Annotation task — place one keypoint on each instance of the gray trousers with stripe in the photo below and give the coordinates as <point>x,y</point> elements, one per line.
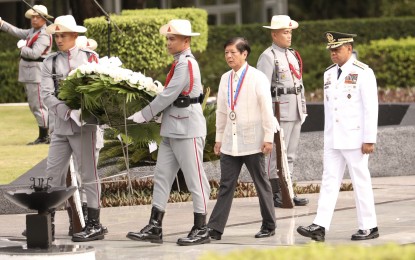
<point>83,148</point>
<point>36,105</point>
<point>187,155</point>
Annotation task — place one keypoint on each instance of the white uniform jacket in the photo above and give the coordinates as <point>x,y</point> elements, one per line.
<point>65,63</point>
<point>40,45</point>
<point>179,122</point>
<point>350,106</point>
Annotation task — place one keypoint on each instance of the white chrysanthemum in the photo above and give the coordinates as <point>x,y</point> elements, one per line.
<point>82,68</point>
<point>115,61</point>
<point>73,72</point>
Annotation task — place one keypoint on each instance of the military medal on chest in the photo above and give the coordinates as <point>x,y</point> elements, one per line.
<point>232,98</point>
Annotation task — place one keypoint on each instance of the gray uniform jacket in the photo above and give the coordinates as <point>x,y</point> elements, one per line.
<point>65,63</point>
<point>178,122</point>
<point>29,71</point>
<point>292,107</point>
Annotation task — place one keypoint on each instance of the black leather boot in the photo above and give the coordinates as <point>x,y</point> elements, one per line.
<point>70,229</point>
<point>43,137</point>
<point>93,229</point>
<point>153,232</point>
<point>276,193</point>
<point>199,234</point>
<point>85,213</point>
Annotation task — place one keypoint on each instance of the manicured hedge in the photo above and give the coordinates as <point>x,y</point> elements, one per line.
<point>393,61</point>
<point>309,40</point>
<point>197,17</point>
<point>312,32</point>
<point>140,46</point>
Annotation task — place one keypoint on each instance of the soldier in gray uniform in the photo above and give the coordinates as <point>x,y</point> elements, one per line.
<point>183,129</point>
<point>283,67</point>
<point>34,45</point>
<point>70,136</point>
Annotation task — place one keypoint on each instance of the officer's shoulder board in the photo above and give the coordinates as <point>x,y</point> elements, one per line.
<point>50,55</point>
<point>331,66</point>
<point>88,51</point>
<point>360,65</point>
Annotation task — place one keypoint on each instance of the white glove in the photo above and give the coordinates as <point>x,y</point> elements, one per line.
<point>303,119</point>
<point>76,117</point>
<point>158,119</point>
<point>276,125</point>
<point>21,43</point>
<point>137,117</point>
<point>1,22</point>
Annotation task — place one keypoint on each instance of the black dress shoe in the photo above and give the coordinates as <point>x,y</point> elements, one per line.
<point>300,201</point>
<point>366,234</point>
<point>214,234</point>
<point>315,232</point>
<point>265,232</point>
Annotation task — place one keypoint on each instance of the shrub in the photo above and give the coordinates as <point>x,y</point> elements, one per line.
<point>308,39</point>
<point>11,90</point>
<point>140,46</point>
<point>393,61</point>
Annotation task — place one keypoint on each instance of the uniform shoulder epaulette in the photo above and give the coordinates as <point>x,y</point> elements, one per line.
<point>48,56</point>
<point>360,64</point>
<point>331,66</point>
<point>88,50</point>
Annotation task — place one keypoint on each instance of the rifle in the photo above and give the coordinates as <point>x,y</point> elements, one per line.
<point>78,220</point>
<point>283,171</point>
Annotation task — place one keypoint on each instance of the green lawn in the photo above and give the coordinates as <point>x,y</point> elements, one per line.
<point>17,128</point>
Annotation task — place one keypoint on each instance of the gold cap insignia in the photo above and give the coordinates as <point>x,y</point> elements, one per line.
<point>330,37</point>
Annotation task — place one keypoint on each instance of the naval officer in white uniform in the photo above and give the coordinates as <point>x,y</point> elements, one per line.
<point>351,116</point>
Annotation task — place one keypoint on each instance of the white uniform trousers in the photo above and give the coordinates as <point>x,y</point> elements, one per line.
<point>36,105</point>
<point>83,148</point>
<point>187,155</point>
<point>335,162</point>
<point>292,131</point>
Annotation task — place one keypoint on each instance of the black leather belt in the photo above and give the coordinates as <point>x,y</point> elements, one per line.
<point>285,91</point>
<point>185,101</point>
<point>30,60</point>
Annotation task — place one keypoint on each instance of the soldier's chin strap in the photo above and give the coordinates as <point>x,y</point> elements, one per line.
<point>41,15</point>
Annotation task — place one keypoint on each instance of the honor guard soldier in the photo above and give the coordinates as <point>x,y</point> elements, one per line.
<point>34,45</point>
<point>350,128</point>
<point>183,128</point>
<point>244,133</point>
<point>70,135</point>
<point>283,68</point>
